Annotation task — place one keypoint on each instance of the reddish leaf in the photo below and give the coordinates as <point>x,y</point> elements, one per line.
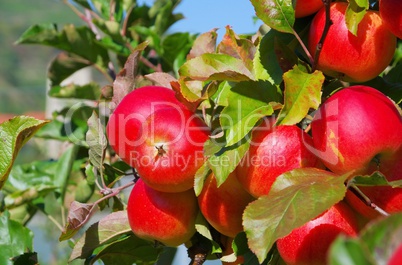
<point>125,80</point>
<point>236,47</point>
<point>205,43</point>
<point>78,216</point>
<point>161,79</point>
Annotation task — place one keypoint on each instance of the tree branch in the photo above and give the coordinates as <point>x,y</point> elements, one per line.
<point>197,254</point>
<point>328,23</point>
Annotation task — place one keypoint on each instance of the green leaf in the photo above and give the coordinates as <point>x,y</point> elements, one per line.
<point>18,198</point>
<point>375,179</point>
<point>200,177</point>
<point>295,198</point>
<point>248,102</point>
<point>96,140</point>
<point>64,168</point>
<point>277,14</point>
<point>64,65</point>
<point>208,67</point>
<point>15,239</point>
<point>14,134</point>
<point>24,176</point>
<point>90,91</point>
<point>80,41</point>
<point>266,66</point>
<point>302,93</point>
<point>355,13</point>
<point>106,230</point>
<point>202,226</point>
<point>224,159</point>
<point>174,45</point>
<point>349,251</point>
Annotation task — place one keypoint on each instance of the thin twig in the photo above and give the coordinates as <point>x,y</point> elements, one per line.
<point>366,200</point>
<point>310,57</point>
<point>328,23</point>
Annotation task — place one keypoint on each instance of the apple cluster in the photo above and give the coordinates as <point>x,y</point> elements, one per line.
<point>158,136</point>
<point>357,129</point>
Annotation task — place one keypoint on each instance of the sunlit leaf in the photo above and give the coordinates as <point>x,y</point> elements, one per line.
<point>204,43</point>
<point>278,14</point>
<point>224,159</point>
<point>240,48</point>
<point>14,134</point>
<point>208,67</point>
<point>248,102</point>
<point>302,93</point>
<point>355,12</point>
<point>200,177</point>
<point>295,198</point>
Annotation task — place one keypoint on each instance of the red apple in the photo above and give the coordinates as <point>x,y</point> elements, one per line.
<point>273,151</point>
<point>391,13</point>
<point>309,244</point>
<point>359,129</point>
<point>165,217</point>
<point>171,149</point>
<point>307,7</point>
<point>349,57</point>
<point>124,125</point>
<point>223,206</point>
<point>396,257</point>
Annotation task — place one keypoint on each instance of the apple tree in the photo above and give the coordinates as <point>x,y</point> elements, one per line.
<point>288,139</point>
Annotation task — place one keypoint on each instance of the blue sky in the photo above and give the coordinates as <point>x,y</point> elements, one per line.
<point>204,15</point>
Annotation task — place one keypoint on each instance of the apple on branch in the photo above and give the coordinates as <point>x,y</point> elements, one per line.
<point>309,244</point>
<point>166,217</point>
<point>274,150</point>
<point>124,126</point>
<point>346,56</point>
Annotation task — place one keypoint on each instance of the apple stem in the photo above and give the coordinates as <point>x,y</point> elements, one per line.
<point>366,200</point>
<point>197,254</point>
<point>328,23</point>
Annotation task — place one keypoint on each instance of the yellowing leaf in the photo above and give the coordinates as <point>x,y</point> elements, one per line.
<point>302,92</point>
